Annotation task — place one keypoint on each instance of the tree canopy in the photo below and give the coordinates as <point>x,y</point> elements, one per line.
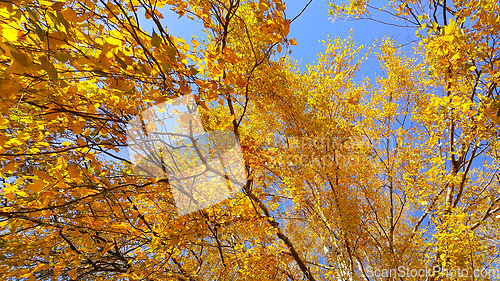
<point>340,174</point>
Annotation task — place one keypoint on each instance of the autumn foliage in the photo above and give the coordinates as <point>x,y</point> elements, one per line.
<point>342,173</point>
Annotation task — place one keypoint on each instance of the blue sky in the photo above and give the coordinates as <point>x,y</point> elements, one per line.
<point>315,24</point>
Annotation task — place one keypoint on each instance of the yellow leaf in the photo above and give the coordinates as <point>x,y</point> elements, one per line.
<point>448,38</point>
<point>78,129</point>
<point>42,175</point>
<point>293,42</point>
<point>263,5</point>
<point>83,17</point>
<point>120,84</point>
<point>9,87</point>
<point>81,142</point>
<point>61,163</point>
<point>158,14</point>
<point>9,168</point>
<point>122,226</point>
<point>3,123</point>
<point>57,5</point>
<point>36,186</point>
<point>73,274</point>
<point>69,15</point>
<point>46,214</point>
<point>10,33</point>
<point>73,172</point>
